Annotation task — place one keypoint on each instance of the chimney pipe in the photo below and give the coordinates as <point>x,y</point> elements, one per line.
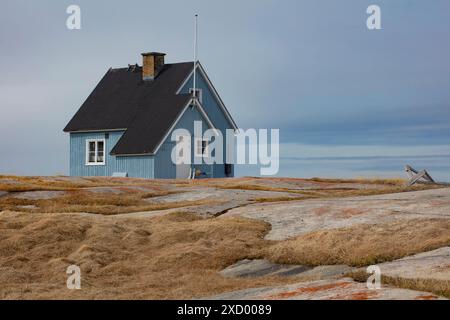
<point>152,63</point>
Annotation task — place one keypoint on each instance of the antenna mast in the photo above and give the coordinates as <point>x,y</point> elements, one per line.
<point>195,56</point>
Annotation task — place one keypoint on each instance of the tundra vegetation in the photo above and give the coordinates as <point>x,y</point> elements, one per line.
<point>129,243</point>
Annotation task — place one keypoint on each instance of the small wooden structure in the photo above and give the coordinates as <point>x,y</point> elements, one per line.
<point>415,176</point>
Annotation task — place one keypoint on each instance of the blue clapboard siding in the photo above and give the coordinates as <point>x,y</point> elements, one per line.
<point>164,167</point>
<point>135,166</point>
<point>215,113</point>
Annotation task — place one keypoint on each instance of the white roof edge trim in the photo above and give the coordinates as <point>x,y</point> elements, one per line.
<point>202,112</point>
<point>205,115</point>
<point>213,90</point>
<point>172,126</point>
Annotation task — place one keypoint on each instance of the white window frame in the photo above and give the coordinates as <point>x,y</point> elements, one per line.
<point>96,163</point>
<point>205,153</point>
<point>200,93</point>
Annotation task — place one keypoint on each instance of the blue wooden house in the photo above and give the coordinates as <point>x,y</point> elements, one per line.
<point>124,127</point>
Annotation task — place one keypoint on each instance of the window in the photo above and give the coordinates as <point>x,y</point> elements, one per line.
<point>95,152</point>
<point>201,148</point>
<point>198,94</point>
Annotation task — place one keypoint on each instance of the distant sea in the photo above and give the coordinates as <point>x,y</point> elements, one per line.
<point>357,167</point>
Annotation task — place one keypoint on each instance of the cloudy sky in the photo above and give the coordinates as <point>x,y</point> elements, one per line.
<point>348,101</point>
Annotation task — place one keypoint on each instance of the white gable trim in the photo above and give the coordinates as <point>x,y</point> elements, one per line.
<point>172,126</point>
<point>216,95</point>
<point>202,112</point>
<point>213,90</point>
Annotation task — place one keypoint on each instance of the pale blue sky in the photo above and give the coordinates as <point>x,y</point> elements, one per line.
<point>310,68</point>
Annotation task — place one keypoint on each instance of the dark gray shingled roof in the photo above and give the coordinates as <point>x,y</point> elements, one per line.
<point>147,109</point>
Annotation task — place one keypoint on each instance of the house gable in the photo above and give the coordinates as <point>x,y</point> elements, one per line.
<point>214,108</point>
<point>164,166</point>
<point>211,101</point>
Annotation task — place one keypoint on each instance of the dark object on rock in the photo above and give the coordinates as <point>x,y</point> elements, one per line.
<point>415,176</point>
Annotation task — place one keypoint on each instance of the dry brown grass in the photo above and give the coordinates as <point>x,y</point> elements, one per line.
<point>254,183</point>
<point>326,186</point>
<point>100,203</point>
<point>381,181</point>
<point>133,200</point>
<point>25,183</point>
<point>173,256</point>
<point>60,183</point>
<point>439,287</point>
<point>362,245</point>
<point>178,255</point>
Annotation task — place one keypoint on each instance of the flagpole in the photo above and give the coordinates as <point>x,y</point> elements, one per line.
<point>195,56</point>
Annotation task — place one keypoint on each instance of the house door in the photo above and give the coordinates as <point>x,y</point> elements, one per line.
<point>183,169</point>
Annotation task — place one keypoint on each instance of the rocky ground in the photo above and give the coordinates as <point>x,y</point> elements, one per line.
<point>340,289</point>
<point>299,217</point>
<point>222,239</point>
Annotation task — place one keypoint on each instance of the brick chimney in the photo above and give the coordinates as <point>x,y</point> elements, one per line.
<point>152,63</point>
